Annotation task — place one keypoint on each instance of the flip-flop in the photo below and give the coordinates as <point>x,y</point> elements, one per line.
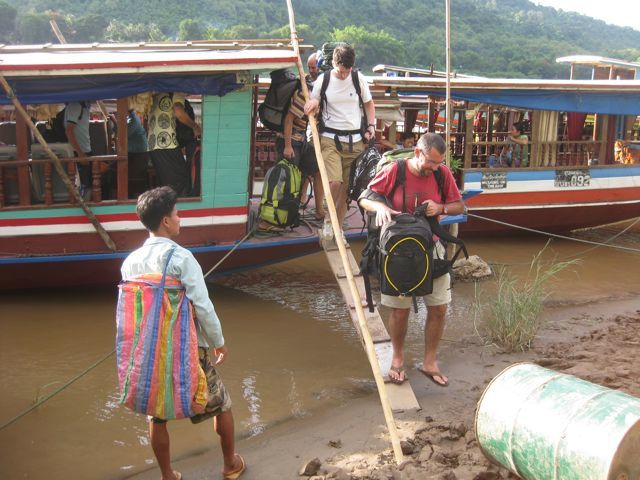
<point>400,371</point>
<point>177,474</point>
<point>236,473</point>
<point>431,375</point>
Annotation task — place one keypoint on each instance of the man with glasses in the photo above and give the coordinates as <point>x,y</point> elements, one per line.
<point>385,201</point>
<point>338,94</point>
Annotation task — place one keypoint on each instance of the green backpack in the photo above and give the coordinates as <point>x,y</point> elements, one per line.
<point>281,195</point>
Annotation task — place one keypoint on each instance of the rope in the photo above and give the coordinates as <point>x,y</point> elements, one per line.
<point>555,235</point>
<point>245,238</point>
<point>55,392</point>
<point>82,374</point>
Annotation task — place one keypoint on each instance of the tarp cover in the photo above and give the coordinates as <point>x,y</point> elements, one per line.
<point>618,103</point>
<point>101,87</point>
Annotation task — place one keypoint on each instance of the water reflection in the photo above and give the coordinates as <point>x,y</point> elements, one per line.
<point>254,425</point>
<point>292,350</point>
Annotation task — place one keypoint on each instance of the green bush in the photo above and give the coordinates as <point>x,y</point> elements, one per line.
<point>513,318</point>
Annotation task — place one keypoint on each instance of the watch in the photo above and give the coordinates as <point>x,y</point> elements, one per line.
<point>445,210</point>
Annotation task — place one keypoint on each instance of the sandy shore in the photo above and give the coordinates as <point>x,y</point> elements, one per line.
<point>597,342</point>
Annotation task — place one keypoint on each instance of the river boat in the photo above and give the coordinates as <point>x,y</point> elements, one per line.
<point>47,240</point>
<point>575,177</point>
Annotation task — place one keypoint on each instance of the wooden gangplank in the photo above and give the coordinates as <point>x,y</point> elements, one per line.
<point>401,397</point>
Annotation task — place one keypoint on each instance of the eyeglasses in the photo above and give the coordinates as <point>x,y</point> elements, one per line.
<point>433,163</point>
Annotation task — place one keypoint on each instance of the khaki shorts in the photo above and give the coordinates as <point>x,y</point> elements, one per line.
<point>338,164</point>
<point>218,399</point>
<point>441,294</point>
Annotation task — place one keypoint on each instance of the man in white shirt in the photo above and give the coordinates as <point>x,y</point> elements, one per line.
<point>157,211</point>
<point>341,121</point>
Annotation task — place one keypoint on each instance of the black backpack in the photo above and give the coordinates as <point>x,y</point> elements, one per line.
<point>401,253</point>
<point>55,130</point>
<point>184,134</point>
<point>363,169</point>
<point>275,106</point>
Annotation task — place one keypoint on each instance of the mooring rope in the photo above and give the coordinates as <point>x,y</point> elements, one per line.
<point>55,392</point>
<point>555,235</point>
<point>86,371</point>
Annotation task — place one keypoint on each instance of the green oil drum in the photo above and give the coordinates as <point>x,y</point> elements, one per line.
<point>545,425</point>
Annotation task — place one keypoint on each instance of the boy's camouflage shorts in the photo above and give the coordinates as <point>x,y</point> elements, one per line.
<point>218,399</point>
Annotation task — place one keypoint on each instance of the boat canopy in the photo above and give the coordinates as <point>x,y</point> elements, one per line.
<point>64,73</point>
<point>616,97</point>
<point>100,87</point>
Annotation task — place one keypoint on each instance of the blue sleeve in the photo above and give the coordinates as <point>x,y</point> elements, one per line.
<point>193,280</point>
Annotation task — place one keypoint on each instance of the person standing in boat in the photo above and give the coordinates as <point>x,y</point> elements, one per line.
<point>385,201</point>
<point>294,145</point>
<point>518,146</point>
<point>166,155</point>
<point>341,121</point>
<point>138,153</point>
<point>76,126</point>
<point>158,213</point>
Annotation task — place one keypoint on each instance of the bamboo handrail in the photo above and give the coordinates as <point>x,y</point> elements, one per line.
<point>364,330</point>
<point>58,166</point>
<point>38,161</point>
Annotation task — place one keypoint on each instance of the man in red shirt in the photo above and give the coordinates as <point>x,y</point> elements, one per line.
<point>420,186</point>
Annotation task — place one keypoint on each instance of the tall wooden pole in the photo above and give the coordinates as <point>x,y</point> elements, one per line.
<point>366,335</point>
<point>454,227</point>
<point>448,82</point>
<point>58,166</point>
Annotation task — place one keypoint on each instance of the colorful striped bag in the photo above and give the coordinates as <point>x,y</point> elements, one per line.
<point>157,348</point>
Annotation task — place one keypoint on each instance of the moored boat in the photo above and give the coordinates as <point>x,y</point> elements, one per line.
<point>573,177</point>
<point>45,237</point>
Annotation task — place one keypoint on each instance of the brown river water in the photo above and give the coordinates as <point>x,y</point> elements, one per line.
<point>292,350</point>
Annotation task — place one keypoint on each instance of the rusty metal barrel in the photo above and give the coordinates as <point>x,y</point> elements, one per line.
<point>545,425</point>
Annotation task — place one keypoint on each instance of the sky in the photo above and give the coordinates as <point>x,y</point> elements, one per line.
<point>625,13</point>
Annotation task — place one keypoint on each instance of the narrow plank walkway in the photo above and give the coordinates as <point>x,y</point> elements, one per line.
<point>401,397</point>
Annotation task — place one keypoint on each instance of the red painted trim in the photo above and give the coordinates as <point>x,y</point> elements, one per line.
<point>534,199</point>
<point>119,217</point>
<point>156,63</point>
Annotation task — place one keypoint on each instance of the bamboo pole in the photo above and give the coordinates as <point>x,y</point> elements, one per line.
<point>58,166</point>
<point>58,33</point>
<point>447,128</point>
<point>366,335</point>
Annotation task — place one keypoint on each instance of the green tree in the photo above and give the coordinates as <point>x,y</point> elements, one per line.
<point>34,28</point>
<point>88,28</point>
<point>118,31</point>
<point>7,21</point>
<point>372,47</point>
<point>190,29</point>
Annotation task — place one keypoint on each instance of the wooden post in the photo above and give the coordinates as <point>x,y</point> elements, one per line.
<point>122,150</point>
<point>448,119</point>
<point>22,154</point>
<point>58,165</point>
<point>366,335</point>
<point>468,140</point>
<point>252,148</point>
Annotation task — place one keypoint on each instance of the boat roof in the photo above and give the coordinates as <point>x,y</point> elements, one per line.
<point>181,57</point>
<point>597,61</point>
<point>64,73</point>
<point>617,97</point>
<point>395,71</point>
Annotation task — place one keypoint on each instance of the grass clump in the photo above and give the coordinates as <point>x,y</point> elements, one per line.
<point>513,318</point>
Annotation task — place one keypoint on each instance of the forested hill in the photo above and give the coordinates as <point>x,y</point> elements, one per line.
<point>497,38</point>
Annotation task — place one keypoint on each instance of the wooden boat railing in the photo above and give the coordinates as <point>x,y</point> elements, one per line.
<point>541,154</point>
<point>36,187</point>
